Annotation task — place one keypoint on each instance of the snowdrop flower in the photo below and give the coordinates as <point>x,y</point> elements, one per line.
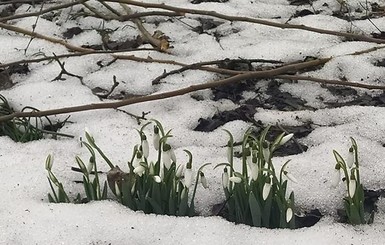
<point>290,177</point>
<point>266,151</point>
<point>90,164</point>
<point>266,189</point>
<point>151,169</point>
<point>350,159</point>
<point>188,176</point>
<point>156,138</point>
<point>235,179</point>
<point>352,187</point>
<point>117,189</point>
<point>145,147</point>
<point>172,155</point>
<point>179,171</point>
<point>139,170</point>
<point>254,171</point>
<point>137,159</point>
<point>225,178</point>
<point>336,175</point>
<point>249,158</point>
<point>203,180</point>
<point>157,179</point>
<point>289,214</point>
<point>285,139</point>
<point>166,156</point>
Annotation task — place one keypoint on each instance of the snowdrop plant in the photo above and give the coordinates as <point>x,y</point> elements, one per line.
<point>257,195</point>
<point>354,199</point>
<point>161,186</point>
<point>92,188</point>
<point>59,195</point>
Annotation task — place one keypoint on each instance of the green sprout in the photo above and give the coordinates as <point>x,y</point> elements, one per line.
<point>59,195</point>
<point>354,200</point>
<point>257,196</point>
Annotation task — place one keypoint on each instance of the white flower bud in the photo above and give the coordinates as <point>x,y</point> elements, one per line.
<point>350,159</point>
<point>285,139</point>
<point>203,180</point>
<point>254,171</point>
<point>266,190</point>
<point>145,148</point>
<point>289,215</point>
<point>139,170</point>
<point>235,179</point>
<point>179,171</point>
<point>117,189</point>
<point>225,179</point>
<point>188,176</point>
<point>166,159</point>
<point>157,179</point>
<point>352,187</point>
<point>172,155</point>
<point>156,138</point>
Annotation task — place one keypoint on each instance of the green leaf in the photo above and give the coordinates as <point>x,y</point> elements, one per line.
<point>155,206</point>
<point>104,194</point>
<point>355,218</point>
<point>127,198</point>
<point>50,199</point>
<point>183,205</point>
<point>267,210</point>
<point>255,210</point>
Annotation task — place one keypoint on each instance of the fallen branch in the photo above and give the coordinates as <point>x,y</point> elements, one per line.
<point>331,82</point>
<point>183,11</point>
<point>179,92</point>
<point>47,38</point>
<point>57,7</point>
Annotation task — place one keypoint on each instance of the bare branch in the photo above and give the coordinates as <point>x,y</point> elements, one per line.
<point>183,11</point>
<point>179,92</point>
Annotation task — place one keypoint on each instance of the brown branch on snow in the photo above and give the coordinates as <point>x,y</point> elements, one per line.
<point>73,55</point>
<point>184,11</point>
<point>160,43</point>
<point>40,36</point>
<point>47,10</point>
<point>331,82</point>
<point>201,66</point>
<point>113,105</point>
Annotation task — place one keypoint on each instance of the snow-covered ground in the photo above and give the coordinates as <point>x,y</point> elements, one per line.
<point>26,216</point>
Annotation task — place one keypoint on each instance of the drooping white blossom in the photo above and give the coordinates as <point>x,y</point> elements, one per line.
<point>285,139</point>
<point>289,215</point>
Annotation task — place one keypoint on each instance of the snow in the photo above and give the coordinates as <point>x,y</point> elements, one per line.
<point>26,216</point>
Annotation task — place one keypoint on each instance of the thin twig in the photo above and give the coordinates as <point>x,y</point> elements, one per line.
<point>73,55</point>
<point>331,82</point>
<point>47,38</point>
<point>57,7</point>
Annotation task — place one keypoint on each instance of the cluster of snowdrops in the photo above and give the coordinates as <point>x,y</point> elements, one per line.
<point>256,195</point>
